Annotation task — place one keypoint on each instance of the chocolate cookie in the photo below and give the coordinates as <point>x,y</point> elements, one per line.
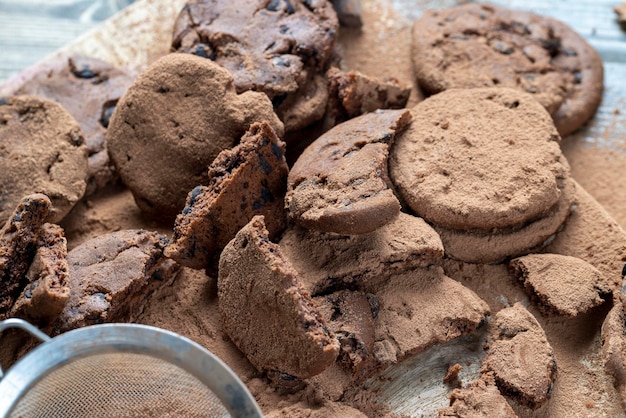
<point>172,122</point>
<point>248,180</point>
<point>18,238</point>
<point>88,89</point>
<point>328,261</point>
<point>112,276</point>
<point>479,399</point>
<point>479,159</point>
<point>340,182</point>
<point>267,312</point>
<point>277,47</point>
<point>47,291</point>
<point>42,151</point>
<point>475,45</point>
<point>614,348</point>
<point>561,285</point>
<point>520,357</point>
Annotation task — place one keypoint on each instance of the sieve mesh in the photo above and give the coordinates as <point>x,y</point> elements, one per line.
<point>119,385</point>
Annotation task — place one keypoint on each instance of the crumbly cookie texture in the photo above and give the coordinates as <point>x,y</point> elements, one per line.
<point>248,180</point>
<point>112,276</point>
<point>267,312</point>
<point>178,115</point>
<point>340,182</point>
<point>560,284</point>
<point>520,357</point>
<point>18,239</point>
<point>43,151</point>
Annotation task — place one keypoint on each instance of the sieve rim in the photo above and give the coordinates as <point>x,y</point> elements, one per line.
<point>127,338</point>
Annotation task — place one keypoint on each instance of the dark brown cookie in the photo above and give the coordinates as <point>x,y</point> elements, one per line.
<point>479,399</point>
<point>248,180</point>
<point>18,238</point>
<point>47,291</point>
<point>479,159</point>
<point>88,89</point>
<point>340,182</point>
<point>325,260</point>
<point>475,45</point>
<point>42,151</point>
<point>112,276</point>
<point>520,357</point>
<point>267,312</point>
<point>172,122</point>
<point>277,47</point>
<point>419,309</point>
<point>561,285</point>
<point>352,94</point>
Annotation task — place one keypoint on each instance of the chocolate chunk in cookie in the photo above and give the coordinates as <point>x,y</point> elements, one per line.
<point>277,47</point>
<point>47,291</point>
<point>18,239</point>
<point>520,357</point>
<point>561,285</point>
<point>248,180</point>
<point>112,276</point>
<point>340,182</point>
<point>88,89</point>
<point>479,399</point>
<point>172,122</point>
<point>327,261</point>
<point>267,312</point>
<point>352,94</point>
<point>419,309</point>
<point>475,45</point>
<point>42,151</point>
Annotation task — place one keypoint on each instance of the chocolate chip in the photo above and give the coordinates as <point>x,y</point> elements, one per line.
<point>107,112</point>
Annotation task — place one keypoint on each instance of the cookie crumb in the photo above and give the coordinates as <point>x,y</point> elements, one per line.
<point>452,375</point>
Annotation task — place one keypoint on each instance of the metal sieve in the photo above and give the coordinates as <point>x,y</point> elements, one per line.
<point>120,370</point>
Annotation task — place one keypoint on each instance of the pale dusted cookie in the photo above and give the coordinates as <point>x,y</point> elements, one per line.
<point>614,348</point>
<point>340,182</point>
<point>520,357</point>
<point>479,399</point>
<point>476,45</point>
<point>248,180</point>
<point>267,312</point>
<point>48,290</point>
<point>178,115</point>
<point>42,151</point>
<point>479,159</point>
<point>88,89</point>
<point>326,260</point>
<point>561,284</point>
<point>278,47</point>
<point>497,245</point>
<point>18,239</point>
<point>419,309</point>
<point>112,276</point>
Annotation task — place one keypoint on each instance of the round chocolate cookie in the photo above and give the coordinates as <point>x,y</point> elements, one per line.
<point>42,150</point>
<point>479,159</point>
<point>277,47</point>
<point>99,86</point>
<point>172,123</point>
<point>476,45</point>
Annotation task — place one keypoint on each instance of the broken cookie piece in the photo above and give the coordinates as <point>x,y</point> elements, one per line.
<point>340,182</point>
<point>350,317</point>
<point>328,261</point>
<point>419,309</point>
<point>520,357</point>
<point>112,276</point>
<point>248,180</point>
<point>479,399</point>
<point>562,285</point>
<point>267,312</point>
<point>48,290</point>
<point>18,240</point>
<point>614,348</point>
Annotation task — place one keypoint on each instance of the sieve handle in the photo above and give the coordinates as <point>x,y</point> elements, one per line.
<point>25,326</point>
